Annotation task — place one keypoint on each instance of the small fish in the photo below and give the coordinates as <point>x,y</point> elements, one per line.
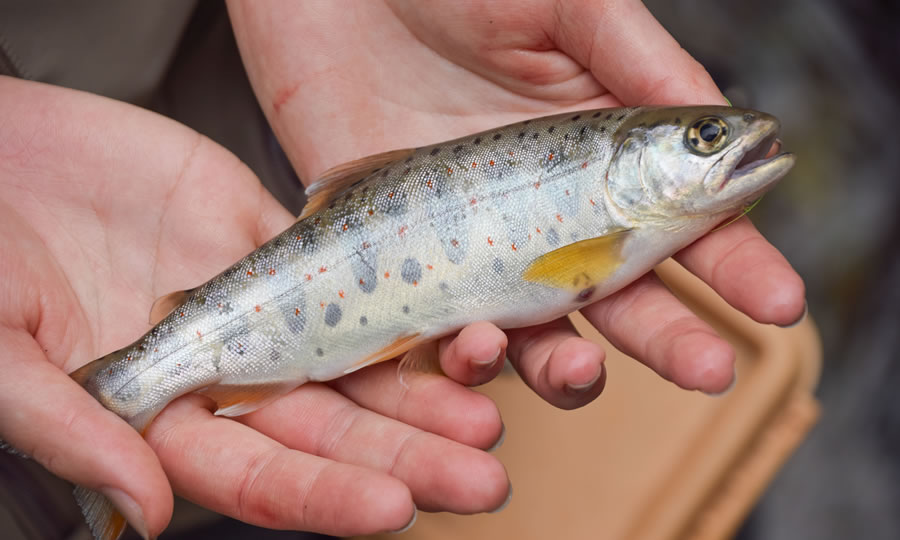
<point>518,226</point>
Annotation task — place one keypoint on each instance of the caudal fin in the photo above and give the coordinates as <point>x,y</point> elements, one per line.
<point>104,521</point>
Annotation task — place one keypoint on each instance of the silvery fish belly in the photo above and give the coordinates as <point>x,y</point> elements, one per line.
<point>517,226</point>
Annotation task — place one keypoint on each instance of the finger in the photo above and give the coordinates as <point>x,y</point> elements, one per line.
<point>428,402</point>
<point>647,322</point>
<point>49,417</point>
<point>232,469</point>
<point>475,355</point>
<point>562,367</point>
<point>442,475</point>
<point>748,272</point>
<point>631,54</point>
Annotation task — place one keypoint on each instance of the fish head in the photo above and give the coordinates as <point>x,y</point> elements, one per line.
<point>686,162</point>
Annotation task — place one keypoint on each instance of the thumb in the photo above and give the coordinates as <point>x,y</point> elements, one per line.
<point>631,54</point>
<point>49,417</point>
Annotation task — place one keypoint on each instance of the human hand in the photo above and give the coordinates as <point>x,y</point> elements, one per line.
<point>340,80</point>
<point>104,207</point>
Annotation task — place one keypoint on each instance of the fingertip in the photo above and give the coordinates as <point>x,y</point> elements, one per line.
<point>702,362</point>
<point>786,305</point>
<point>476,354</point>
<point>575,372</point>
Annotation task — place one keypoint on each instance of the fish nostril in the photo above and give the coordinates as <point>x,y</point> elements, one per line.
<point>748,117</point>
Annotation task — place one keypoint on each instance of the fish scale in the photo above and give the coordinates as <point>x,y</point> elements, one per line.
<point>517,226</point>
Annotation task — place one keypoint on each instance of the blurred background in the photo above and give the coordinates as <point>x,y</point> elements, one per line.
<point>829,70</point>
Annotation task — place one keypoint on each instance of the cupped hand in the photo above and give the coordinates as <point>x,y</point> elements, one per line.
<point>104,207</point>
<point>340,80</point>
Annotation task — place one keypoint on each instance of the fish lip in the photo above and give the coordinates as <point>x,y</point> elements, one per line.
<point>753,152</point>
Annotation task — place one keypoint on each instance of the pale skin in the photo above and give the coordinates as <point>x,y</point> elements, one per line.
<point>105,207</point>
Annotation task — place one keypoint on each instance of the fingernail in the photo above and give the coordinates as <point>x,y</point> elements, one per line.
<point>574,389</point>
<point>502,438</point>
<point>505,503</point>
<point>486,364</point>
<point>409,525</point>
<point>800,320</point>
<point>129,509</point>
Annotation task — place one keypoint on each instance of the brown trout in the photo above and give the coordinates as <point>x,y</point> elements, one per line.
<point>518,226</point>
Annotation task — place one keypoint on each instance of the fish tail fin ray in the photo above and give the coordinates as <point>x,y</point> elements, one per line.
<point>423,358</point>
<point>104,521</point>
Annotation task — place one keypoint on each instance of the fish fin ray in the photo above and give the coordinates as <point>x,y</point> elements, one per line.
<point>167,303</point>
<point>104,521</point>
<point>336,180</point>
<point>423,358</point>
<point>239,399</point>
<point>579,265</point>
<point>396,348</point>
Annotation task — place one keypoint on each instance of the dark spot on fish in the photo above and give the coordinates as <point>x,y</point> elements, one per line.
<point>457,149</point>
<point>585,294</point>
<point>365,189</point>
<point>552,237</point>
<point>566,136</point>
<point>385,173</point>
<point>408,160</point>
<point>581,131</point>
<point>609,116</point>
<point>405,309</point>
<point>363,321</point>
<point>535,135</point>
<point>348,196</point>
<point>331,206</point>
<point>497,136</point>
<point>443,286</point>
<point>521,134</point>
<point>333,315</point>
<point>319,351</point>
<point>597,114</point>
<point>411,271</point>
<point>748,117</point>
<point>498,266</point>
<point>551,129</point>
<point>436,151</point>
<point>574,236</point>
<point>677,121</point>
<point>602,129</point>
<point>620,118</point>
<point>576,117</point>
<point>477,141</point>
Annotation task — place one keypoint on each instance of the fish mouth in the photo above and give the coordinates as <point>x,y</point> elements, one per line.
<point>761,163</point>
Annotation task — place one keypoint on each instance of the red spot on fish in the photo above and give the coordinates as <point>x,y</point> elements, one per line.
<point>474,201</point>
<point>490,242</point>
<point>387,275</point>
<point>346,226</point>
<point>296,311</point>
<point>402,231</point>
<point>511,153</point>
<point>491,163</point>
<point>341,294</point>
<point>391,195</point>
<point>322,305</point>
<point>299,237</point>
<point>271,271</point>
<point>592,202</point>
<point>514,248</point>
<point>317,221</point>
<point>567,193</point>
<point>550,157</point>
<point>428,183</point>
<point>178,364</point>
<point>308,277</point>
<point>371,211</point>
<point>249,272</point>
<point>474,164</point>
<point>322,269</point>
<point>128,359</point>
<point>559,218</point>
<point>415,283</point>
<point>199,335</point>
<point>449,170</point>
<point>537,185</point>
<point>283,95</point>
<point>539,230</point>
<point>156,349</point>
<point>181,314</point>
<point>529,236</point>
<point>109,371</point>
<point>454,243</point>
<point>366,245</point>
<point>257,308</point>
<point>361,281</point>
<point>428,266</point>
<point>407,170</point>
<point>584,165</point>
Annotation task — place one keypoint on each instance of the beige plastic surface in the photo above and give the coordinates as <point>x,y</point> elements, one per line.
<point>647,460</point>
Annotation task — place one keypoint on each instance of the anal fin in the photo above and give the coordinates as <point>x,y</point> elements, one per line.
<point>393,350</point>
<point>104,521</point>
<point>237,399</point>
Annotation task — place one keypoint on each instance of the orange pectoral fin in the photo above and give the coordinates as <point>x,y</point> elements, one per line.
<point>398,347</point>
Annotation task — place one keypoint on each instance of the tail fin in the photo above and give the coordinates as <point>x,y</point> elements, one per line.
<point>104,521</point>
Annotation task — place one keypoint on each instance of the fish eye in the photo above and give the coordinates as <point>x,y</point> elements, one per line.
<point>707,135</point>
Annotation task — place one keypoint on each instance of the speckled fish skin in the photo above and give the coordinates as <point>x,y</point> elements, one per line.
<point>441,239</point>
<point>462,231</point>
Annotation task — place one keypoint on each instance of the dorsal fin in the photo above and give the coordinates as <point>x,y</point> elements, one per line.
<point>336,180</point>
<point>165,304</point>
